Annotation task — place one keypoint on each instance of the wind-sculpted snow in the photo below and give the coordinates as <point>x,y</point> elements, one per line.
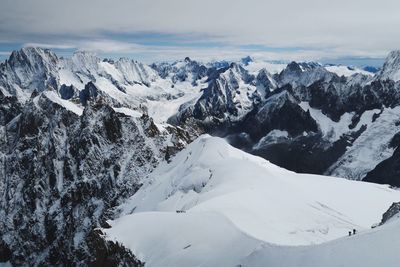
<point>177,217</point>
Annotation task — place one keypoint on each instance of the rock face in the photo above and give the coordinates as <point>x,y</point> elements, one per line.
<point>60,173</point>
<point>391,68</point>
<point>230,95</point>
<point>27,70</point>
<point>393,211</point>
<point>180,71</point>
<point>386,172</point>
<point>9,108</point>
<point>280,112</point>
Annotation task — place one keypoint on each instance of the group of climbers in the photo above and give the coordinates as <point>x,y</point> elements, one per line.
<point>354,232</point>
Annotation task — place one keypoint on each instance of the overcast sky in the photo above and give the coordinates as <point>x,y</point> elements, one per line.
<point>153,30</point>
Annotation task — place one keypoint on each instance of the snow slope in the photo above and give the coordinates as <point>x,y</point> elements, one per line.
<point>376,247</point>
<point>231,197</point>
<point>69,105</point>
<point>346,71</point>
<point>255,66</point>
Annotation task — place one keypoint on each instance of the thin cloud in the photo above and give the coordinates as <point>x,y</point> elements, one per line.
<point>153,53</point>
<point>320,27</point>
<point>50,46</point>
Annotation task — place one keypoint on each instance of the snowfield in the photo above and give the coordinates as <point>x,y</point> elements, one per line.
<point>346,71</point>
<point>215,205</point>
<point>376,247</point>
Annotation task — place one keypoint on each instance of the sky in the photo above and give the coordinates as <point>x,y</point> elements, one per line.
<point>358,32</point>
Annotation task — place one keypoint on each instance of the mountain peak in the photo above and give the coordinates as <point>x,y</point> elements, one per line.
<point>30,54</point>
<point>31,68</point>
<point>294,66</point>
<point>394,54</point>
<point>391,67</point>
<point>246,60</point>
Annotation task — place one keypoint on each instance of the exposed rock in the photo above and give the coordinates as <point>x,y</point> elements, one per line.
<point>393,211</point>
<point>387,171</point>
<point>61,173</point>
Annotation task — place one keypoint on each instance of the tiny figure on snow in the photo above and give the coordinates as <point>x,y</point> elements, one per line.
<point>354,231</point>
<point>349,233</point>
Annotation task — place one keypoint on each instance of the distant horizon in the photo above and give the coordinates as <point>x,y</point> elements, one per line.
<point>346,61</point>
<point>339,32</point>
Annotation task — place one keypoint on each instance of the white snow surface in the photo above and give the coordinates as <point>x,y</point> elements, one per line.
<point>341,70</point>
<point>236,205</point>
<point>129,112</point>
<point>377,247</point>
<point>54,97</point>
<point>256,65</point>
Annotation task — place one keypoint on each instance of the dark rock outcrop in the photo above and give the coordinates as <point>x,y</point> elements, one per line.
<point>386,172</point>
<point>393,211</point>
<point>60,174</point>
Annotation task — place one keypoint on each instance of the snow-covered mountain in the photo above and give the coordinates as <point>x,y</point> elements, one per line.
<point>80,134</point>
<point>63,168</point>
<point>218,206</point>
<point>327,123</point>
<point>391,68</point>
<point>122,83</point>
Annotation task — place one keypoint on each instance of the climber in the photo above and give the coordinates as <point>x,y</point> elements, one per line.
<point>349,233</point>
<point>354,231</point>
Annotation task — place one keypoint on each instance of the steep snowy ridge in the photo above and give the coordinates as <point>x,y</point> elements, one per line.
<point>27,70</point>
<point>305,74</point>
<point>391,68</point>
<point>211,186</point>
<point>124,81</point>
<point>229,96</point>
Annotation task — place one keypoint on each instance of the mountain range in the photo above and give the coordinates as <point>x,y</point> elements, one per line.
<point>81,135</point>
